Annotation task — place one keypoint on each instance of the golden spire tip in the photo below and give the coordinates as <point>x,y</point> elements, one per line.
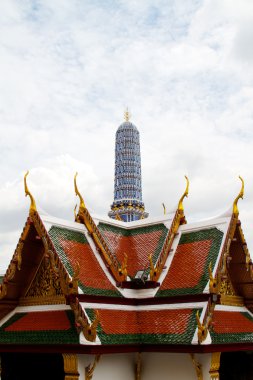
<point>180,203</point>
<point>240,195</point>
<point>27,192</point>
<point>82,205</point>
<point>127,114</point>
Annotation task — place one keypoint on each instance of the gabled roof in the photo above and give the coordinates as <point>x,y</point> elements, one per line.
<point>153,325</point>
<point>39,325</point>
<point>194,273</point>
<point>73,247</point>
<point>231,325</point>
<point>196,247</point>
<point>138,243</point>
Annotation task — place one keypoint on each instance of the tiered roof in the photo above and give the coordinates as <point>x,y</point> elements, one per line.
<point>102,285</point>
<point>49,325</point>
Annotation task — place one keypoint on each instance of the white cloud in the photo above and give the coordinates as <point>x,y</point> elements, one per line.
<point>68,69</point>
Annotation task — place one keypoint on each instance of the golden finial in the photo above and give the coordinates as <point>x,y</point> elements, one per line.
<point>27,192</point>
<point>202,330</point>
<point>180,206</point>
<point>127,114</point>
<point>73,283</point>
<point>240,195</point>
<point>123,268</point>
<point>212,280</point>
<point>152,270</point>
<point>164,208</point>
<point>117,217</point>
<point>82,205</point>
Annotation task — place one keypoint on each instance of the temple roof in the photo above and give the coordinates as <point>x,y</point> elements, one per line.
<point>98,282</point>
<point>50,325</point>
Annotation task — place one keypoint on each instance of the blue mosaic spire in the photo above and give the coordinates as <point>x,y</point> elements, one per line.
<point>127,204</point>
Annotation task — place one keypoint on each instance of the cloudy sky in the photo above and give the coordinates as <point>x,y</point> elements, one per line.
<point>68,69</point>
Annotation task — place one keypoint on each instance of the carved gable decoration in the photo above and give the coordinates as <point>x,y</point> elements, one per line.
<point>46,284</point>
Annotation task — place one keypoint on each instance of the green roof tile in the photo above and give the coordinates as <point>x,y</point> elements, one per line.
<point>188,272</point>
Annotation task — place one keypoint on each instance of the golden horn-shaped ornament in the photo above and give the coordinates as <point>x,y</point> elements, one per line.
<point>240,195</point>
<point>27,192</point>
<point>82,204</point>
<point>180,203</point>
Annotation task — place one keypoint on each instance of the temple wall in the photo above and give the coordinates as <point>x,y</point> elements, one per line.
<point>160,366</point>
<point>205,361</point>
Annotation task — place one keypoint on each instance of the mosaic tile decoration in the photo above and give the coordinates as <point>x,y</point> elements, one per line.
<point>72,247</point>
<point>188,273</point>
<point>137,243</point>
<point>44,327</point>
<point>231,327</point>
<point>146,327</point>
<point>127,179</point>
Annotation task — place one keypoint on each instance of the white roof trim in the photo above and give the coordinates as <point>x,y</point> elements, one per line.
<point>50,221</point>
<point>175,306</point>
<point>166,219</point>
<point>229,308</point>
<point>85,342</point>
<point>219,223</point>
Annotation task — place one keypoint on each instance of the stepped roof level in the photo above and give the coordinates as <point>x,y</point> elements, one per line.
<point>127,205</point>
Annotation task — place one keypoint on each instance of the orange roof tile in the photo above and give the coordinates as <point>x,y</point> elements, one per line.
<point>138,244</point>
<point>41,320</point>
<point>226,322</point>
<point>188,265</point>
<point>91,273</point>
<point>144,322</point>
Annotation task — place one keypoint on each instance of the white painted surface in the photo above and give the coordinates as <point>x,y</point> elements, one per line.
<point>154,366</point>
<point>205,361</point>
<point>166,219</point>
<point>172,306</point>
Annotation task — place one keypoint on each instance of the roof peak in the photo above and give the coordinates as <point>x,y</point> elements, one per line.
<point>127,114</point>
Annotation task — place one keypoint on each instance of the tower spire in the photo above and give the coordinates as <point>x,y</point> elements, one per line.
<point>127,114</point>
<point>127,204</point>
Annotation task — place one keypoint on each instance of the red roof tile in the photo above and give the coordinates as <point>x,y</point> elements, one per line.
<point>188,265</point>
<point>225,322</point>
<point>137,247</point>
<point>144,322</point>
<point>91,274</point>
<point>41,320</point>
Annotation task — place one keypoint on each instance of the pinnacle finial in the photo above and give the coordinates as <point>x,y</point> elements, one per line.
<point>82,204</point>
<point>127,114</point>
<point>240,195</point>
<point>27,192</point>
<point>180,203</point>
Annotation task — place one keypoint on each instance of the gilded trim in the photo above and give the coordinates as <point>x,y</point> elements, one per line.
<point>180,206</point>
<point>231,300</point>
<point>179,219</point>
<point>43,300</point>
<point>89,330</point>
<point>204,327</point>
<point>138,366</point>
<point>70,366</point>
<point>84,217</point>
<point>89,370</point>
<point>56,266</point>
<point>222,273</point>
<point>212,280</point>
<point>215,366</point>
<point>240,195</point>
<point>197,367</point>
<point>33,207</point>
<point>15,263</point>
